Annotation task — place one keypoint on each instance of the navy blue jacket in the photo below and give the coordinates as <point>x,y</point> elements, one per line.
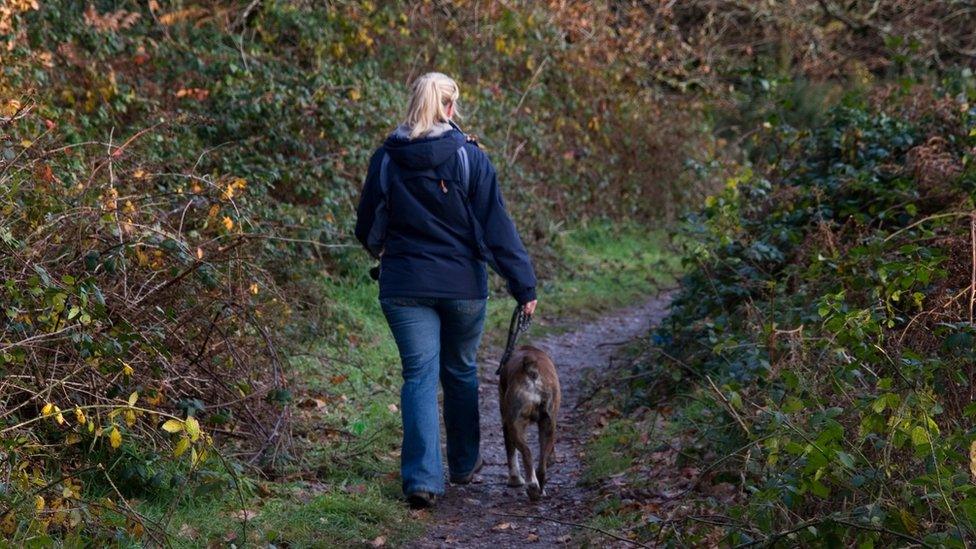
<point>430,248</point>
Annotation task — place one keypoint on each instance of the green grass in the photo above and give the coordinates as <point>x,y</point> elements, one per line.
<point>610,452</point>
<point>349,491</point>
<point>601,267</point>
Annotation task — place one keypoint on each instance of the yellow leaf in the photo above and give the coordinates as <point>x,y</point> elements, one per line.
<point>193,428</point>
<point>126,369</point>
<point>254,288</point>
<point>173,426</point>
<point>972,459</point>
<point>115,438</point>
<point>9,523</point>
<point>58,416</point>
<point>39,503</point>
<point>80,416</point>
<point>133,398</point>
<point>130,417</point>
<point>355,94</point>
<point>47,409</point>
<point>228,223</point>
<point>181,447</point>
<point>193,456</point>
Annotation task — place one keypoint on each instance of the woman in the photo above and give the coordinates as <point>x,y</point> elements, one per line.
<point>432,212</point>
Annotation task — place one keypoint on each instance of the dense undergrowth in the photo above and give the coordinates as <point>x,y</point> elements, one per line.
<point>190,345</point>
<point>825,330</point>
<point>177,185</point>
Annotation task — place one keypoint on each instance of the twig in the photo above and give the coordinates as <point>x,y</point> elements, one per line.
<point>614,343</point>
<point>729,406</point>
<point>972,278</point>
<point>576,524</point>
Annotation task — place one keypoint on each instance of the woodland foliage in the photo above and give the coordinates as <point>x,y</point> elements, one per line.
<point>827,318</point>
<point>175,176</point>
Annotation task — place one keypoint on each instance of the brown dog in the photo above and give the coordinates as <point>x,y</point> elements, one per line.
<point>529,393</point>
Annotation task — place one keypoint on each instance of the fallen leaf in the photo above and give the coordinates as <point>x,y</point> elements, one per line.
<point>245,514</point>
<point>502,526</point>
<point>379,541</point>
<point>311,403</point>
<point>393,408</point>
<point>532,537</point>
<point>354,489</point>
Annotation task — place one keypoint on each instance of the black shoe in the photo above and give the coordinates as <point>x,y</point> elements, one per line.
<point>466,479</point>
<point>421,500</point>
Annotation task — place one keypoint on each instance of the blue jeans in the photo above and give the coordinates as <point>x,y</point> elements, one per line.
<point>437,338</point>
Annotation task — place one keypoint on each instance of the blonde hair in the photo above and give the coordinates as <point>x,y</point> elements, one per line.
<point>430,97</point>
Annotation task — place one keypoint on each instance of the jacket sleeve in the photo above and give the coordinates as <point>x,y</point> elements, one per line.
<point>511,261</point>
<point>369,199</point>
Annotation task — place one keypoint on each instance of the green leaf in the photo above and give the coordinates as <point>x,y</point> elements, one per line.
<point>919,435</point>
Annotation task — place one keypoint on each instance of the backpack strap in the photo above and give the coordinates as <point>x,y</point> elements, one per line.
<point>465,170</point>
<point>478,233</point>
<point>384,174</point>
<point>381,216</point>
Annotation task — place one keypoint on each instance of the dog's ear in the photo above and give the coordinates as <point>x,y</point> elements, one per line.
<point>530,367</point>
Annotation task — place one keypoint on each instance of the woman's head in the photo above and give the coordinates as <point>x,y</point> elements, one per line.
<point>433,99</point>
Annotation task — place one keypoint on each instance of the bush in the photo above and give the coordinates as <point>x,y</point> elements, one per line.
<point>135,324</point>
<point>826,313</point>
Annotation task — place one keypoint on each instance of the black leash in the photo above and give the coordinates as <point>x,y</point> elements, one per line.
<point>518,326</point>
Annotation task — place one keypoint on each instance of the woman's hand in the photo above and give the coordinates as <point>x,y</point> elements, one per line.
<point>529,307</point>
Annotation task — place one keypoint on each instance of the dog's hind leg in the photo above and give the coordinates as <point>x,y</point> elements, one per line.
<point>547,442</point>
<point>514,473</point>
<point>532,487</point>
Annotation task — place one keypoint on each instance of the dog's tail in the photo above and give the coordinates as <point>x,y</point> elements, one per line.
<point>530,366</point>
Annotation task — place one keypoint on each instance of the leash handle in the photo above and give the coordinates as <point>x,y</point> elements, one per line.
<point>517,326</point>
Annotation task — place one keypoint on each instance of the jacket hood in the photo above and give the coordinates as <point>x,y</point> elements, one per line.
<point>423,153</point>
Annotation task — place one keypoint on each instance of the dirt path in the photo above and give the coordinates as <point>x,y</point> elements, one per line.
<point>469,516</point>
